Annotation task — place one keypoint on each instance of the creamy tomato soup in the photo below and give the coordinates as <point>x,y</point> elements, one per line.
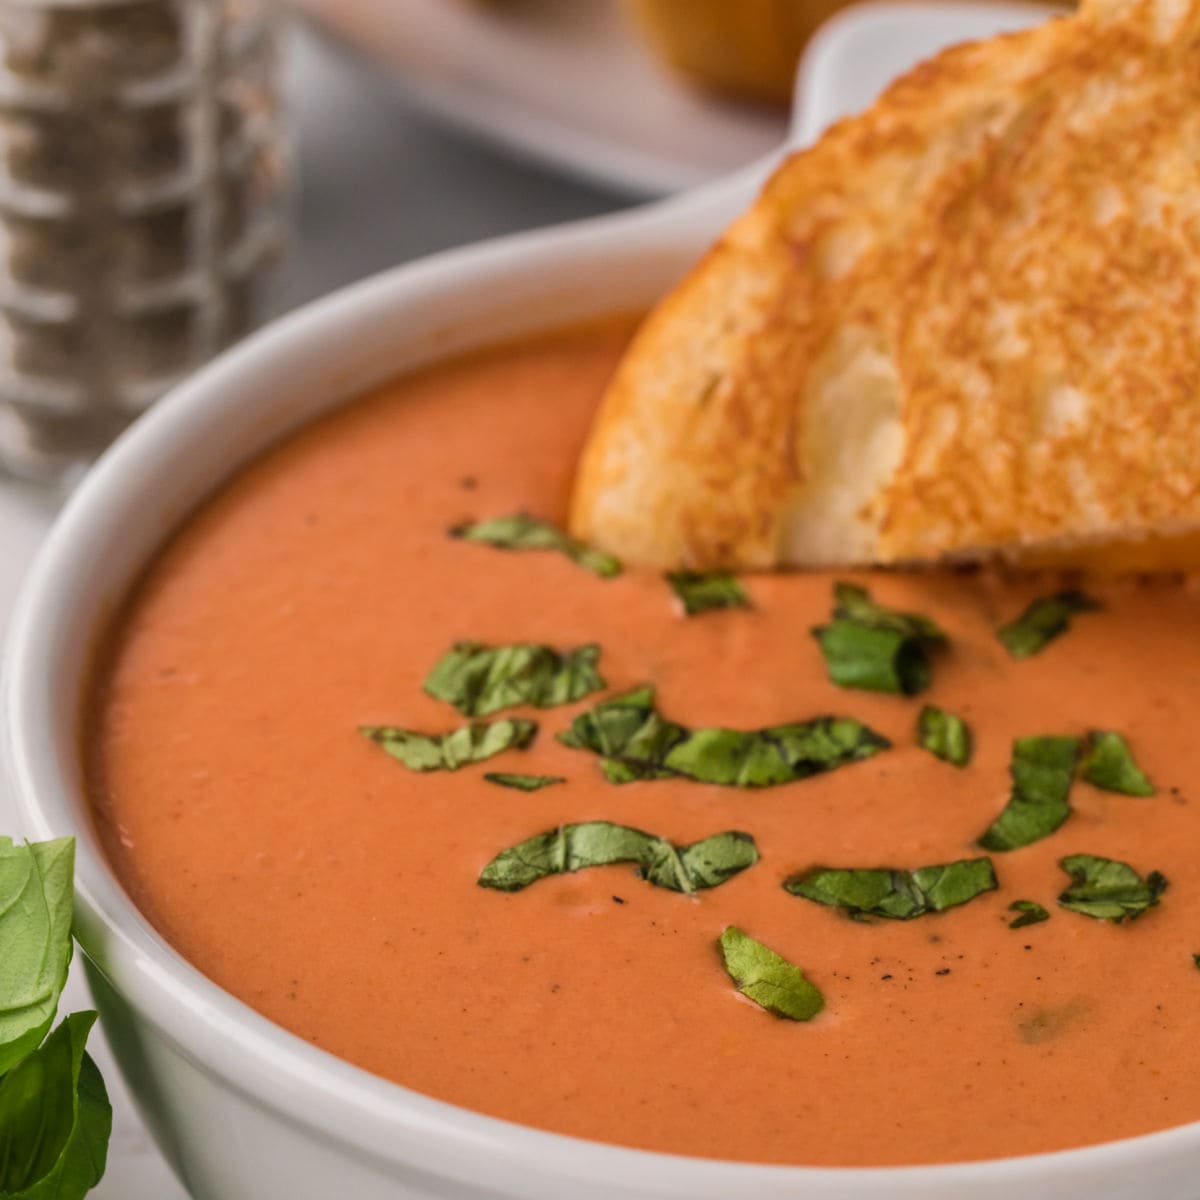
<point>334,890</point>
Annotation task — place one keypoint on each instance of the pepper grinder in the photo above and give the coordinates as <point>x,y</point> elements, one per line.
<point>143,167</point>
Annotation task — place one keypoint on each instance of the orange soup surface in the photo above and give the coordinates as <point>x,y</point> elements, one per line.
<point>334,890</point>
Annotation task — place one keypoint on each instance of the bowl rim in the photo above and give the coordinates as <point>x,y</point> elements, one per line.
<point>379,1120</point>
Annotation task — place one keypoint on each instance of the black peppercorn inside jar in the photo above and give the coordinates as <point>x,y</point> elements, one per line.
<point>142,198</point>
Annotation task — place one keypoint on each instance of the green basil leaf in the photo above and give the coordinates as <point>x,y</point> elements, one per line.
<point>609,726</point>
<point>768,978</point>
<point>479,679</point>
<point>875,648</point>
<point>873,660</point>
<point>704,864</point>
<point>704,593</point>
<point>853,603</point>
<point>944,735</point>
<point>520,531</point>
<point>568,848</point>
<point>1108,890</point>
<point>448,751</point>
<point>81,1165</point>
<point>36,890</point>
<point>55,1119</point>
<point>618,772</point>
<point>1031,913</point>
<point>773,755</point>
<point>896,894</point>
<point>638,744</point>
<point>1108,764</point>
<point>1196,961</point>
<point>1043,621</point>
<point>523,783</point>
<point>628,733</point>
<point>1042,769</point>
<point>879,892</point>
<point>951,884</point>
<point>565,849</point>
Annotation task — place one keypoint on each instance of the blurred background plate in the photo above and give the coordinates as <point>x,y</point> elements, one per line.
<point>562,81</point>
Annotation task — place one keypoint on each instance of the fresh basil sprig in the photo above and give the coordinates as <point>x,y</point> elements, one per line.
<point>1030,912</point>
<point>520,531</point>
<point>1042,621</point>
<point>1042,769</point>
<point>704,864</point>
<point>448,751</point>
<point>636,743</point>
<point>1108,763</point>
<point>768,978</point>
<point>896,894</point>
<point>55,1118</point>
<point>479,679</point>
<point>704,593</point>
<point>944,735</point>
<point>875,648</point>
<point>36,890</point>
<point>523,783</point>
<point>1108,890</point>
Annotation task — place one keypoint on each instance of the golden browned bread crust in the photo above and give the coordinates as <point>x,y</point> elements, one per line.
<point>965,322</point>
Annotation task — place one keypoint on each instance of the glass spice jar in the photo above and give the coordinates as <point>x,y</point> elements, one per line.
<point>143,173</point>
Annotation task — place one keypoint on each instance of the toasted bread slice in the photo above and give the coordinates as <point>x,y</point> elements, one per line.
<point>965,323</point>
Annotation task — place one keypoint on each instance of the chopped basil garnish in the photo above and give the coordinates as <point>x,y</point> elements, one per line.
<point>562,850</point>
<point>637,743</point>
<point>704,864</point>
<point>523,532</point>
<point>1108,890</point>
<point>523,783</point>
<point>1031,913</point>
<point>768,978</point>
<point>1108,763</point>
<point>703,593</point>
<point>449,751</point>
<point>480,679</point>
<point>875,660</point>
<point>628,733</point>
<point>875,648</point>
<point>1043,621</point>
<point>900,895</point>
<point>944,735</point>
<point>853,603</point>
<point>1042,769</point>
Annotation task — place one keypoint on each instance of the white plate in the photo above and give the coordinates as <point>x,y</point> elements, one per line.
<point>562,81</point>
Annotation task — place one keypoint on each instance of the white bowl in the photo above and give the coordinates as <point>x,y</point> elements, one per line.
<point>241,1108</point>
